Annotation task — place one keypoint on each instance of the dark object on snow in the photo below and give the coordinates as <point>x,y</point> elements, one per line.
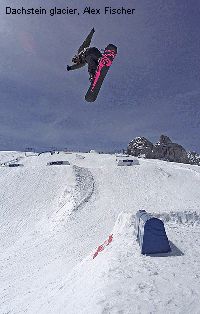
<point>65,162</point>
<point>127,162</point>
<point>151,234</point>
<point>15,165</point>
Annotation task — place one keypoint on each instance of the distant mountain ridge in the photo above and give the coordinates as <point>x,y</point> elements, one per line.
<point>164,149</point>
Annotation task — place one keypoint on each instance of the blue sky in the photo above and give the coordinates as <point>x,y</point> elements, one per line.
<point>152,88</point>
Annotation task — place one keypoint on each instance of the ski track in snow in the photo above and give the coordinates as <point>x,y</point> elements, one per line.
<point>84,188</point>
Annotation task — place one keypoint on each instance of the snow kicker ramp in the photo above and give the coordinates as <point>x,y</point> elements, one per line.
<point>121,280</point>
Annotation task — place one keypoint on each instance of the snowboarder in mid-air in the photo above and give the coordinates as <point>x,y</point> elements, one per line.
<point>98,64</point>
<point>86,55</point>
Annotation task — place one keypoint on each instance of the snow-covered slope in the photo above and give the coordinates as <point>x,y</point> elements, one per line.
<point>52,219</point>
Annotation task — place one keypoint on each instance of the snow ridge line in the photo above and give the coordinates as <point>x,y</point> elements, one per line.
<point>185,217</point>
<point>84,188</point>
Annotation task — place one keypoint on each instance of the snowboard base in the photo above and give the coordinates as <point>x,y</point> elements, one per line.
<point>102,69</point>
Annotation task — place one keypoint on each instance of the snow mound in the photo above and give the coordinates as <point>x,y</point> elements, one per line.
<point>121,280</point>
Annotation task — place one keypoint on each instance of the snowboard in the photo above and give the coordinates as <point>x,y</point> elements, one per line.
<point>105,62</point>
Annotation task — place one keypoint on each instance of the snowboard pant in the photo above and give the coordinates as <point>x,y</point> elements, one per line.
<point>92,57</point>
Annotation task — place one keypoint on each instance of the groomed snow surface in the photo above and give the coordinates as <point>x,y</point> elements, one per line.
<point>53,218</point>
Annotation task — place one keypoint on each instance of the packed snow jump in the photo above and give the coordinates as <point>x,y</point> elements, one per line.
<point>98,64</point>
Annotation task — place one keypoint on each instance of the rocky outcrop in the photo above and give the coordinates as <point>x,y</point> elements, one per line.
<point>164,149</point>
<point>167,150</point>
<point>141,147</point>
<point>194,158</point>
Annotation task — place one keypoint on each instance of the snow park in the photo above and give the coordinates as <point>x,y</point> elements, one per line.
<point>99,157</point>
<point>70,224</point>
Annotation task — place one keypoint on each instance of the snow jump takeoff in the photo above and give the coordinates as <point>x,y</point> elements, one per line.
<point>98,64</point>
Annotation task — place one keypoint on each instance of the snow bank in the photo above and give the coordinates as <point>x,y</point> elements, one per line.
<point>121,280</point>
<point>44,236</point>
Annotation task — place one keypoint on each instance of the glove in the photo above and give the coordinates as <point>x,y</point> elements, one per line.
<point>68,68</point>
